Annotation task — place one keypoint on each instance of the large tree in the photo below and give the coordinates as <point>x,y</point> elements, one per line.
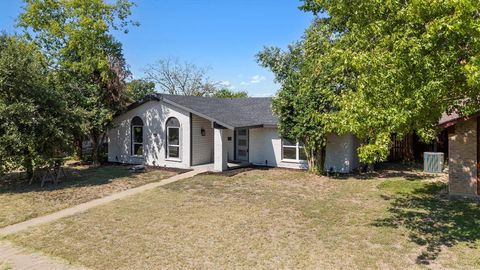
<point>374,68</point>
<point>175,77</point>
<point>229,93</point>
<point>399,64</point>
<point>35,123</point>
<point>138,88</point>
<point>76,37</point>
<point>302,102</point>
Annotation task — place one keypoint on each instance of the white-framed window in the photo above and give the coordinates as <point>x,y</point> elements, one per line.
<point>137,136</point>
<point>173,138</point>
<point>293,151</point>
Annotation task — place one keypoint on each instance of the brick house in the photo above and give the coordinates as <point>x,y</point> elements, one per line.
<point>463,154</point>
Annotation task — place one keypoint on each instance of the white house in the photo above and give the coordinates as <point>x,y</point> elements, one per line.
<point>184,131</point>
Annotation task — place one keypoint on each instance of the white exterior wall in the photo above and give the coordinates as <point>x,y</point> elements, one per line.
<point>230,144</point>
<point>265,149</point>
<point>220,150</point>
<point>341,153</point>
<point>202,146</point>
<point>266,146</point>
<point>154,115</point>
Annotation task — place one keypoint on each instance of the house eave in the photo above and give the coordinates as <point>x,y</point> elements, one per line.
<point>457,120</point>
<point>197,113</point>
<point>155,97</point>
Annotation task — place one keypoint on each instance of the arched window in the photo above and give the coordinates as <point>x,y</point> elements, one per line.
<point>173,138</point>
<point>137,136</point>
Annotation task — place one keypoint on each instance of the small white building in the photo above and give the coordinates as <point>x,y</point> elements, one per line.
<point>184,131</point>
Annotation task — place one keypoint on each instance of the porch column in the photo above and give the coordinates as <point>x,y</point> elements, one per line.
<point>220,153</point>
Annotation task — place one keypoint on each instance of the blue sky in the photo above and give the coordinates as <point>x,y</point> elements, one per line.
<point>221,35</point>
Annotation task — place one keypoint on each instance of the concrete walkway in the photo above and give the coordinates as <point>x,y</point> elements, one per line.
<point>20,258</point>
<point>85,206</point>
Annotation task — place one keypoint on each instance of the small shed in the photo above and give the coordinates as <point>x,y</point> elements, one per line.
<point>463,154</point>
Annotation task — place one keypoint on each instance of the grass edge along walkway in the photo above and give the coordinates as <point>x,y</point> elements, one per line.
<point>14,228</point>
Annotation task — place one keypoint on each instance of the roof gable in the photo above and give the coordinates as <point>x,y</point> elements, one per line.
<point>231,112</point>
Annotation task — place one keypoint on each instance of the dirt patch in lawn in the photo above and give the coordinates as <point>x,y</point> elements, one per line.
<point>20,201</point>
<point>255,219</point>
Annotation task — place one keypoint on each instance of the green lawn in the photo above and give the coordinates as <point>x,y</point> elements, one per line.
<point>272,219</point>
<point>20,201</point>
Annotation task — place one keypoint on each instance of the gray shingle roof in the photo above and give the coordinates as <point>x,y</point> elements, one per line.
<point>234,113</point>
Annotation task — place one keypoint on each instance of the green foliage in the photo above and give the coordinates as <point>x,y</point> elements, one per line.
<point>137,89</point>
<point>227,93</point>
<point>86,58</point>
<point>301,103</point>
<point>34,117</point>
<point>396,66</point>
<point>376,150</point>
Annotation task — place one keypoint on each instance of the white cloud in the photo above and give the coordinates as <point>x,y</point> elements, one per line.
<point>258,79</point>
<point>226,84</point>
<point>254,80</point>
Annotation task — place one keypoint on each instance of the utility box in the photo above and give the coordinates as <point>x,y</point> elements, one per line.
<point>433,162</point>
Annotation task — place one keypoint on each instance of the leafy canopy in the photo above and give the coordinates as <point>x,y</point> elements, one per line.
<point>137,89</point>
<point>396,65</point>
<point>88,61</point>
<point>301,103</point>
<point>35,123</point>
<point>228,93</point>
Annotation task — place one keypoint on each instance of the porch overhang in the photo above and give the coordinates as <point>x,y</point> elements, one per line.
<point>248,127</point>
<point>218,126</point>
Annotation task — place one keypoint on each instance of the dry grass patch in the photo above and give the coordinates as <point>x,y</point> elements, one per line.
<point>5,266</point>
<point>20,201</point>
<point>255,219</point>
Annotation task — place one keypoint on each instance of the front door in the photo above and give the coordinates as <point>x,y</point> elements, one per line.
<point>242,145</point>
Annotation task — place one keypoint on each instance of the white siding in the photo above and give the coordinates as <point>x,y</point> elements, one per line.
<point>202,146</point>
<point>341,153</point>
<point>221,155</point>
<point>266,149</point>
<point>230,146</point>
<point>154,115</point>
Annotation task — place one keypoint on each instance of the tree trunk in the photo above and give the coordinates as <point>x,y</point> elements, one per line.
<point>94,141</point>
<point>370,168</point>
<point>28,164</point>
<point>79,147</point>
<point>323,154</point>
<point>316,161</point>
